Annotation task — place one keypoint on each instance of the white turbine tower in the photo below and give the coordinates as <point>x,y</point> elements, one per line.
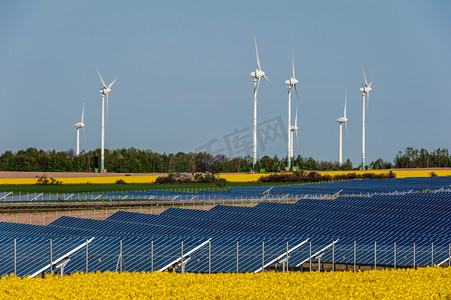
<point>257,75</point>
<point>341,121</point>
<point>82,126</point>
<point>365,92</point>
<point>104,91</point>
<point>291,84</point>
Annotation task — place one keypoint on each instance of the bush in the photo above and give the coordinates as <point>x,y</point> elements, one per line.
<point>304,177</point>
<point>432,174</point>
<point>206,177</point>
<point>120,181</point>
<point>43,180</point>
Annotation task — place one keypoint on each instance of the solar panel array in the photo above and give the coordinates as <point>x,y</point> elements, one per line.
<point>382,228</point>
<point>351,187</point>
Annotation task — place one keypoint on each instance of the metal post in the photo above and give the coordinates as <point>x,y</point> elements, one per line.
<point>51,258</point>
<point>15,257</point>
<point>375,258</point>
<point>183,265</point>
<point>263,256</point>
<point>94,213</point>
<point>120,251</point>
<point>43,219</point>
<point>394,255</point>
<point>414,255</point>
<point>286,261</point>
<point>333,256</point>
<point>355,255</point>
<point>310,255</point>
<point>151,256</point>
<point>87,255</point>
<point>30,218</point>
<point>209,257</point>
<point>449,255</point>
<point>237,256</point>
<point>432,254</point>
<point>319,264</point>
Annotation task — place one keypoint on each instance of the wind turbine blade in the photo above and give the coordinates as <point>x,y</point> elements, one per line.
<point>346,126</point>
<point>370,84</point>
<point>101,79</point>
<point>83,129</point>
<point>367,104</point>
<point>297,95</point>
<point>366,83</point>
<point>292,58</point>
<point>83,112</point>
<point>256,51</point>
<point>267,79</point>
<point>296,117</point>
<point>297,141</point>
<point>111,84</point>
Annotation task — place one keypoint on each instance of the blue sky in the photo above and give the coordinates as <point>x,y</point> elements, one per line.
<point>183,73</point>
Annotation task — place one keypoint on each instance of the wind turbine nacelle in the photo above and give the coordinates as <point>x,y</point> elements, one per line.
<point>104,91</point>
<point>259,74</point>
<point>342,120</point>
<point>294,128</point>
<point>287,82</point>
<point>362,90</point>
<point>253,74</point>
<point>78,125</point>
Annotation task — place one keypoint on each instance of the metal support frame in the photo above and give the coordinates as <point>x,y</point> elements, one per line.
<point>355,255</point>
<point>151,256</point>
<point>209,257</point>
<point>414,256</point>
<point>432,254</point>
<point>65,256</point>
<point>4,196</point>
<point>184,258</point>
<point>318,253</point>
<point>51,258</point>
<point>333,256</point>
<point>120,260</point>
<point>375,255</point>
<point>15,257</point>
<point>237,256</point>
<point>281,258</point>
<point>36,197</point>
<point>394,255</point>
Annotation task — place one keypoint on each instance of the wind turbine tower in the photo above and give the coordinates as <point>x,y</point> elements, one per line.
<point>81,126</point>
<point>365,92</point>
<point>291,83</point>
<point>104,91</point>
<point>341,121</point>
<point>257,75</point>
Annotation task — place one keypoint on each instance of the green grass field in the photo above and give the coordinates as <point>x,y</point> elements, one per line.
<point>104,188</point>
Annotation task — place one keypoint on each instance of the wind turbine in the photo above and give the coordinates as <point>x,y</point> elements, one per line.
<point>341,121</point>
<point>104,91</point>
<point>365,92</point>
<point>78,126</point>
<point>257,75</point>
<point>294,129</point>
<point>291,84</point>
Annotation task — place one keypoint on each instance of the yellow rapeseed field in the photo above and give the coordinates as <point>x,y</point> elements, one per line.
<point>424,283</point>
<point>231,177</point>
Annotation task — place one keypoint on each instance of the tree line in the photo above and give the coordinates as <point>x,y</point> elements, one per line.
<point>133,160</point>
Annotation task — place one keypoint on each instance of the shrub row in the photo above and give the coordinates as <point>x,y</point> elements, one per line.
<point>304,177</point>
